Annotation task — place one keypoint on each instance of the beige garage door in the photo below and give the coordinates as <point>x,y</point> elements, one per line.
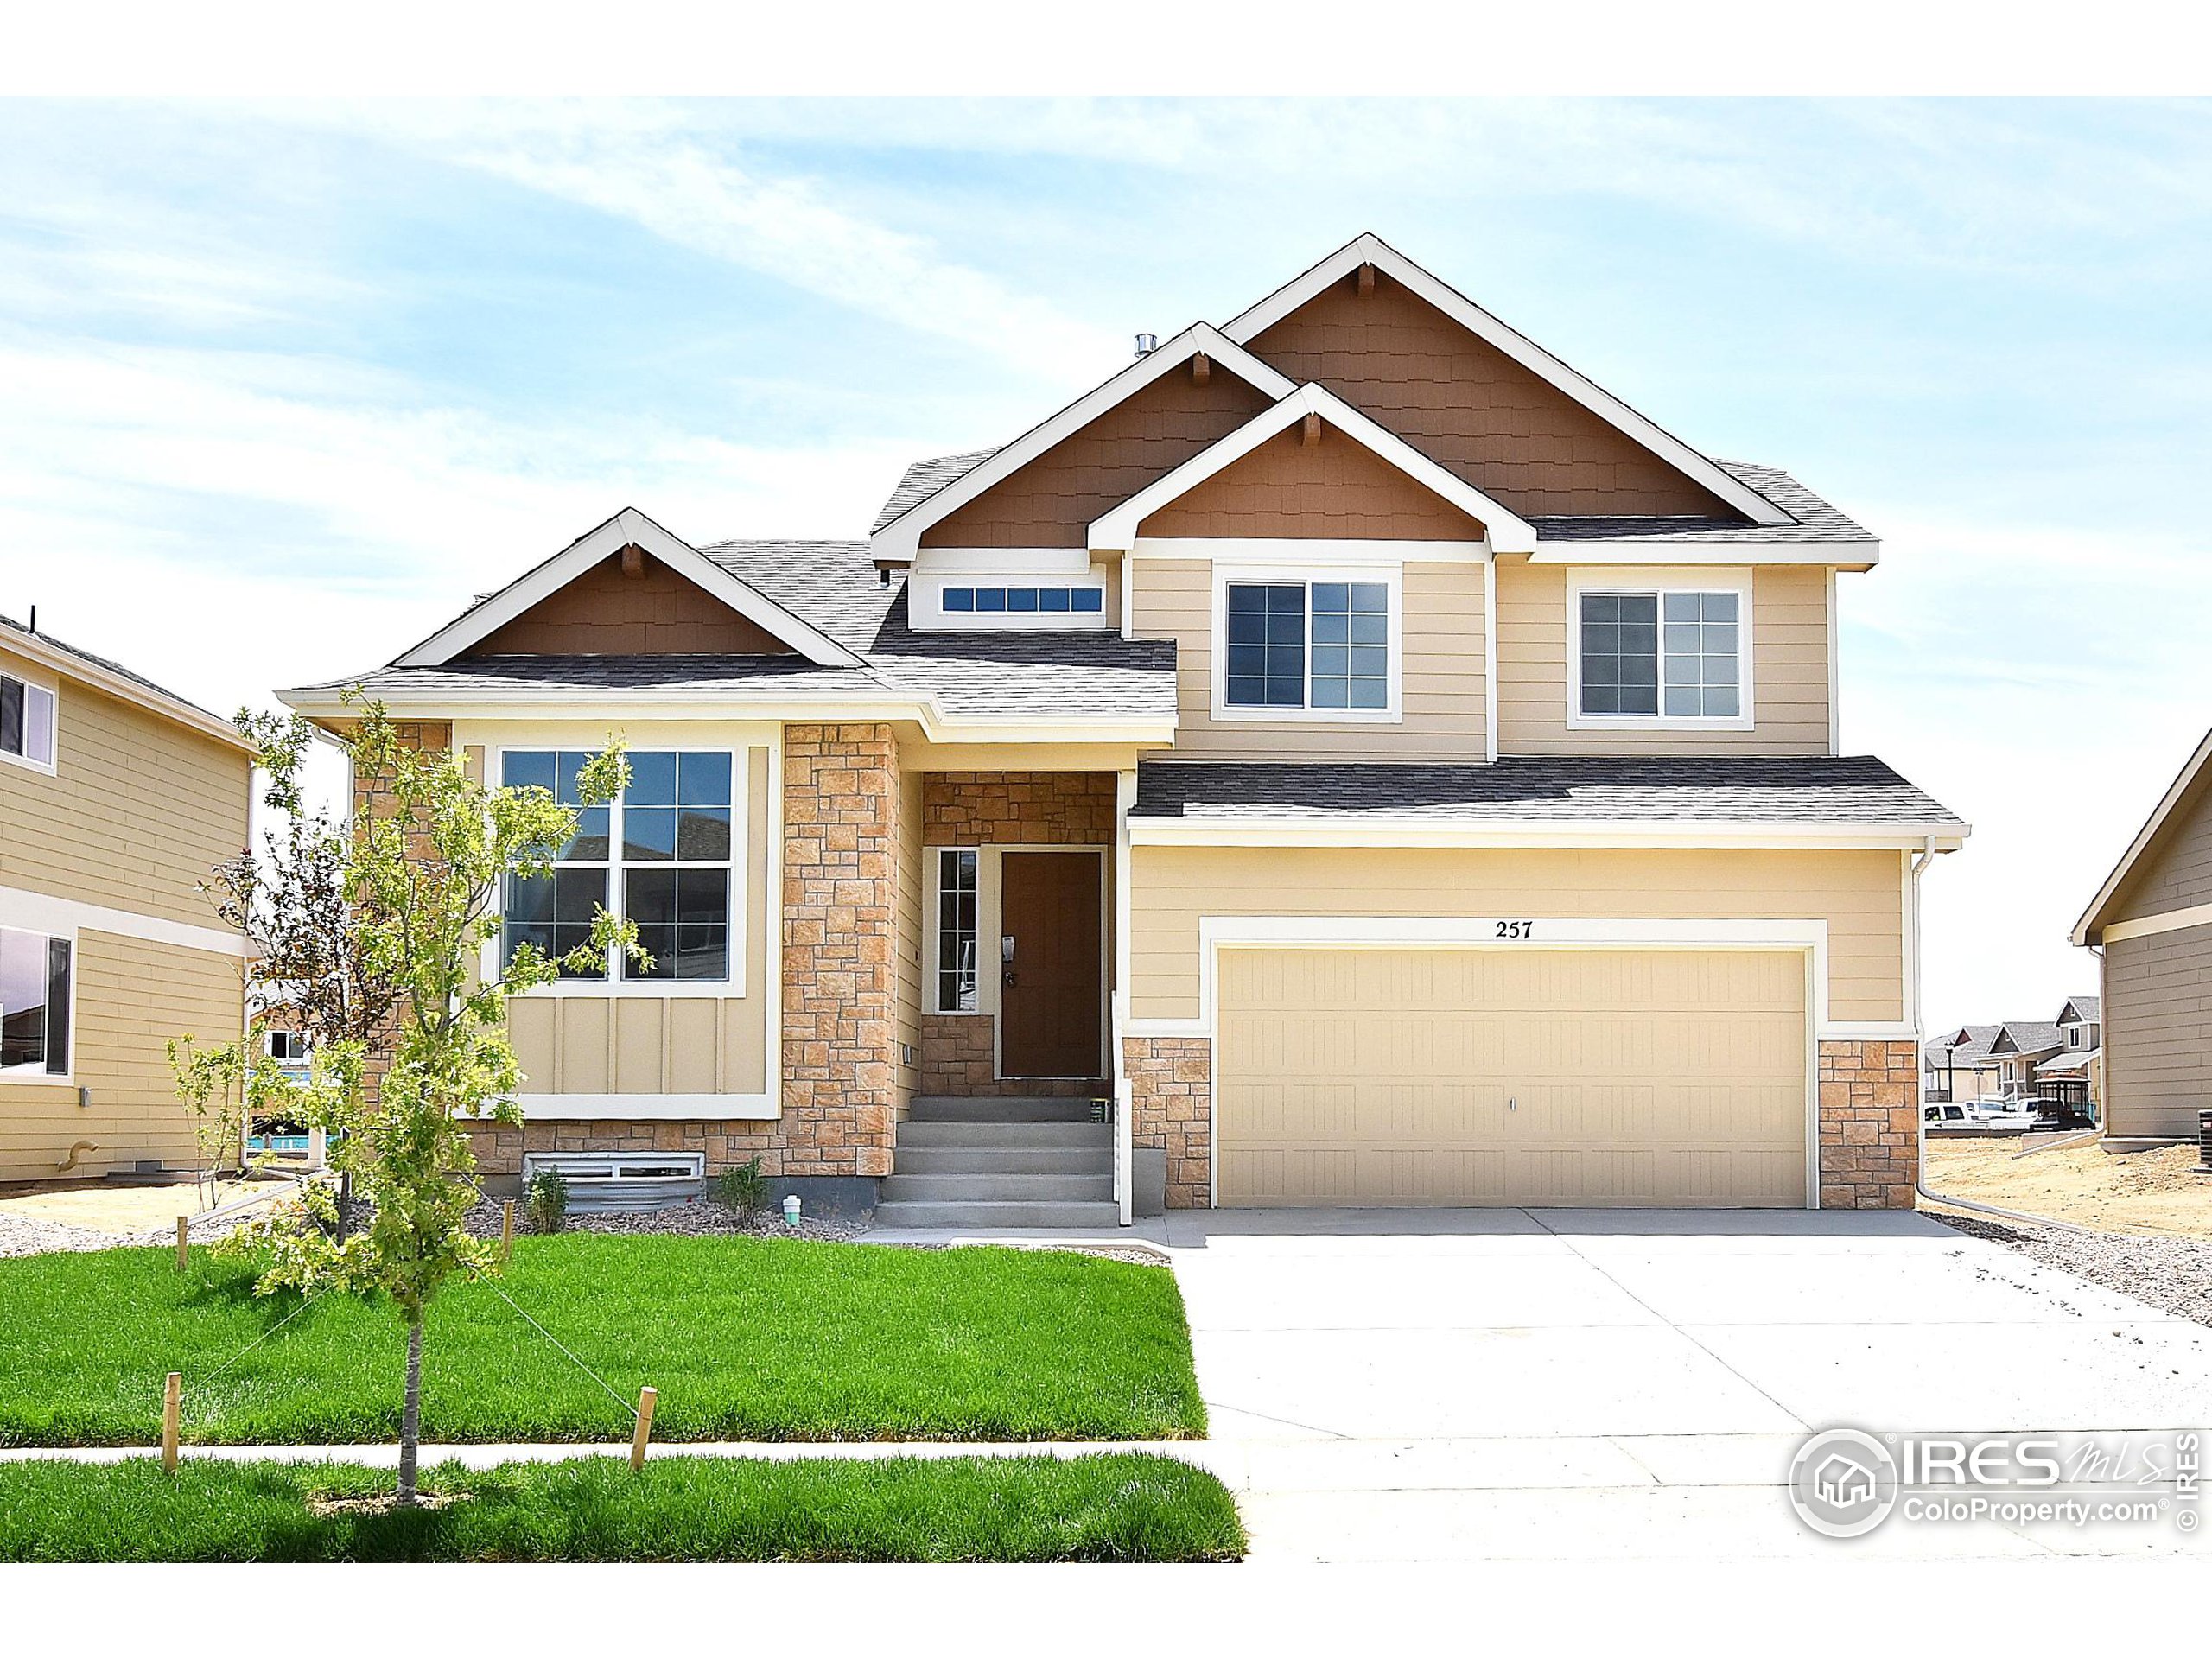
<point>1520,1077</point>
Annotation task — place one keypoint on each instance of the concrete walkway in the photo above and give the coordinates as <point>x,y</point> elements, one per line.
<point>1587,1384</point>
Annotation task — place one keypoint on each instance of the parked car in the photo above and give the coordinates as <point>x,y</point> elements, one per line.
<point>1983,1116</point>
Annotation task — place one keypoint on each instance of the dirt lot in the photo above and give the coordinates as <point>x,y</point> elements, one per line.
<point>2154,1192</point>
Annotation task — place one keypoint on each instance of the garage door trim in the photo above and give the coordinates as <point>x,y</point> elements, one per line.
<point>1519,933</point>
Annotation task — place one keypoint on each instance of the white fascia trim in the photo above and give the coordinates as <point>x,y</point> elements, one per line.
<point>647,1107</point>
<point>1349,831</point>
<point>900,540</point>
<point>2144,838</point>
<point>1842,555</point>
<point>1508,531</point>
<point>1370,249</point>
<point>1300,551</point>
<point>40,912</point>
<point>2171,921</point>
<point>624,527</point>
<point>65,664</point>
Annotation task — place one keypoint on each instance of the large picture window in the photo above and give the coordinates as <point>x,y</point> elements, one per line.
<point>35,972</point>
<point>1322,646</point>
<point>1676,655</point>
<point>26,721</point>
<point>956,931</point>
<point>660,855</point>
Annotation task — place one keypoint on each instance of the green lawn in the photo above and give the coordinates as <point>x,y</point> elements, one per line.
<point>745,1340</point>
<point>1123,1508</point>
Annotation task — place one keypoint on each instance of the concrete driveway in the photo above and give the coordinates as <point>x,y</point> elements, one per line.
<point>1420,1385</point>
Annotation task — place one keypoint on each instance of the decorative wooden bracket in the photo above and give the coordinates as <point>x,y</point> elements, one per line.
<point>1366,281</point>
<point>633,560</point>
<point>1309,431</point>
<point>1200,369</point>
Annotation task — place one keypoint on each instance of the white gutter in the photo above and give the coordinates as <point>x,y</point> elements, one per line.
<point>1355,830</point>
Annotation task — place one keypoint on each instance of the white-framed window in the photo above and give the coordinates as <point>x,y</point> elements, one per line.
<point>662,855</point>
<point>958,891</point>
<point>1023,599</point>
<point>286,1047</point>
<point>37,977</point>
<point>1675,653</point>
<point>27,722</point>
<point>1306,644</point>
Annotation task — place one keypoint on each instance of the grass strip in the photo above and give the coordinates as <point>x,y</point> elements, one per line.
<point>771,1340</point>
<point>1117,1507</point>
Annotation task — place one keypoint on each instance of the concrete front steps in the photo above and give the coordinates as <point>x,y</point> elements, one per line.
<point>1008,1161</point>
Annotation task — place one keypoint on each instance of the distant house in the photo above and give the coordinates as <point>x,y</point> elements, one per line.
<point>2055,1058</point>
<point>116,799</point>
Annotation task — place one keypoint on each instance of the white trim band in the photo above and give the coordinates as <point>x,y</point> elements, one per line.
<point>40,912</point>
<point>2171,921</point>
<point>647,1108</point>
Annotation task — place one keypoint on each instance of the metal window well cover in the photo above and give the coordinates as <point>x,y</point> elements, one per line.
<point>623,1181</point>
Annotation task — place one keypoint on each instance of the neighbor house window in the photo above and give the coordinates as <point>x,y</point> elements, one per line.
<point>26,721</point>
<point>659,855</point>
<point>956,931</point>
<point>1301,644</point>
<point>1024,600</point>
<point>1672,654</point>
<point>34,984</point>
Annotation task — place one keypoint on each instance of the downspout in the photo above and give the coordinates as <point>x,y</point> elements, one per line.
<point>1920,863</point>
<point>1125,799</point>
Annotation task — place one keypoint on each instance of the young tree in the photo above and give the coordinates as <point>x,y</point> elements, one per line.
<point>419,888</point>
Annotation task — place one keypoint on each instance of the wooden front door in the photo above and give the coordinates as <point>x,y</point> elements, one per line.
<point>1051,991</point>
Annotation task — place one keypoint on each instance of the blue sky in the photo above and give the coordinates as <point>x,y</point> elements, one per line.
<point>286,383</point>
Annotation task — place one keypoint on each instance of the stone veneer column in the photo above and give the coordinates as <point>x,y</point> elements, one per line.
<point>1870,1124</point>
<point>1172,1083</point>
<point>373,798</point>
<point>840,979</point>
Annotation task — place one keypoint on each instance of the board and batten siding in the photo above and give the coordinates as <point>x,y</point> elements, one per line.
<point>131,997</point>
<point>1792,679</point>
<point>1860,894</point>
<point>137,813</point>
<point>1442,672</point>
<point>636,1043</point>
<point>2158,1032</point>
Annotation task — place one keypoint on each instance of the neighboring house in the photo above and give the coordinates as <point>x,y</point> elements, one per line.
<point>117,798</point>
<point>2151,923</point>
<point>2055,1058</point>
<point>1957,1065</point>
<point>1395,769</point>
<point>2076,1074</point>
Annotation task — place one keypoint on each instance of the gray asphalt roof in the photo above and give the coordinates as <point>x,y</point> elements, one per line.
<point>1815,520</point>
<point>2029,1036</point>
<point>924,478</point>
<point>1975,1048</point>
<point>109,664</point>
<point>1841,789</point>
<point>2088,1008</point>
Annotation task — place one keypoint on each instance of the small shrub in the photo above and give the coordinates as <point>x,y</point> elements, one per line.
<point>545,1201</point>
<point>743,1188</point>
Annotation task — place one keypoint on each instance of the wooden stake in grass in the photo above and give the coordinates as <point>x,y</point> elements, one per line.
<point>506,1229</point>
<point>182,1223</point>
<point>172,1409</point>
<point>646,1400</point>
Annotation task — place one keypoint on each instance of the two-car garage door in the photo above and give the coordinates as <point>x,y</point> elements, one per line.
<point>1511,1075</point>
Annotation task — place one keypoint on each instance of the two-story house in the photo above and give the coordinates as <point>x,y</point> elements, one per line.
<point>1381,764</point>
<point>116,799</point>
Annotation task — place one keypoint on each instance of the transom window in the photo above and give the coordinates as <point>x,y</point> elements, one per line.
<point>1077,601</point>
<point>1301,644</point>
<point>1677,654</point>
<point>36,971</point>
<point>26,721</point>
<point>659,856</point>
<point>956,931</point>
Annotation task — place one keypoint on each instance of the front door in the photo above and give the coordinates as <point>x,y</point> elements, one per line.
<point>1051,988</point>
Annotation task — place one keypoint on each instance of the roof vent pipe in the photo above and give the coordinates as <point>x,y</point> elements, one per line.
<point>1147,344</point>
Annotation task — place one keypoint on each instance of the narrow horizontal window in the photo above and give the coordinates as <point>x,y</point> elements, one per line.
<point>1023,601</point>
<point>1675,654</point>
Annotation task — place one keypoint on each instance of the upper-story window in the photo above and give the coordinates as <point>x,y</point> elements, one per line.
<point>1019,601</point>
<point>26,722</point>
<point>1666,654</point>
<point>660,855</point>
<point>1322,647</point>
<point>36,974</point>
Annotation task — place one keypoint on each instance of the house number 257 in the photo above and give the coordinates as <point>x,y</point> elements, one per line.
<point>1516,930</point>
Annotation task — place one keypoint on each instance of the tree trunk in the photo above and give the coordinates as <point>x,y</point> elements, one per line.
<point>410,1414</point>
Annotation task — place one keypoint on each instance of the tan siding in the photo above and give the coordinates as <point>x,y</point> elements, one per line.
<point>1461,400</point>
<point>132,997</point>
<point>1442,669</point>
<point>139,810</point>
<point>1790,671</point>
<point>604,612</point>
<point>1858,894</point>
<point>654,1045</point>
<point>1051,501</point>
<point>2177,872</point>
<point>1613,1078</point>
<point>1337,488</point>
<point>2158,1032</point>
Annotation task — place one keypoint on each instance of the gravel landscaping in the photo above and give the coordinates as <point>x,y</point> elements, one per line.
<point>701,1219</point>
<point>2173,1273</point>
